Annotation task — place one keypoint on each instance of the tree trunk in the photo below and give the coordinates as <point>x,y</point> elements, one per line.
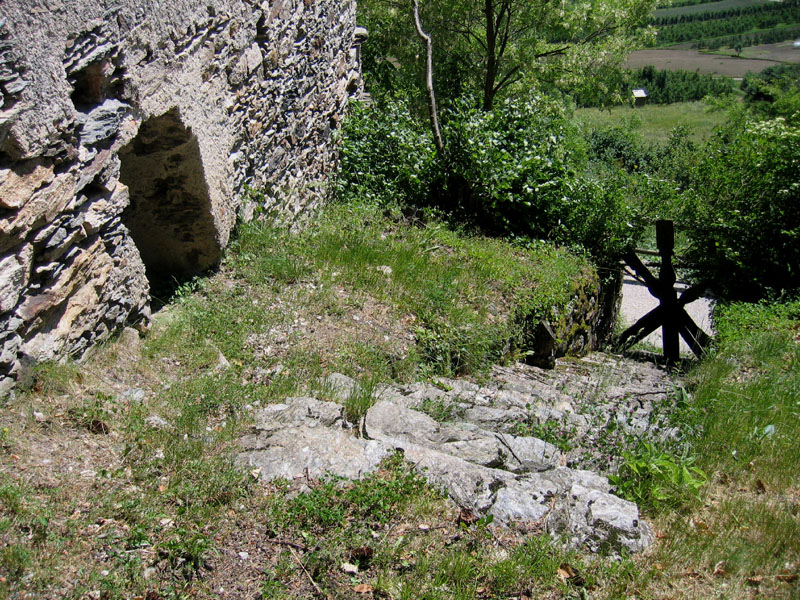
<point>437,135</point>
<point>491,56</point>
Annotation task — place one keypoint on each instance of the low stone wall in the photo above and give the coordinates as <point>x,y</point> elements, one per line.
<point>587,322</point>
<point>581,325</point>
<point>128,132</point>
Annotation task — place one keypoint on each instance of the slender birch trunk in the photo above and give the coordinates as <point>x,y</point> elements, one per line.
<point>437,135</point>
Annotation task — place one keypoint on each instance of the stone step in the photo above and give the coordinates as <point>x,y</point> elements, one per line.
<point>485,450</point>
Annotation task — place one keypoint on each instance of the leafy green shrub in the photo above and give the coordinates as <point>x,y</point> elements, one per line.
<point>655,479</point>
<point>387,155</point>
<point>756,86</point>
<point>623,146</point>
<point>656,190</point>
<point>744,210</point>
<point>775,92</point>
<point>520,169</point>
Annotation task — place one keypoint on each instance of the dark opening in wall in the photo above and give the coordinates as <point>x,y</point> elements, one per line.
<point>262,31</point>
<point>90,84</point>
<point>169,215</point>
<point>95,82</point>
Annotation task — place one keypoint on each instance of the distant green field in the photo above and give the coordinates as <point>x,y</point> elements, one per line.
<point>707,7</point>
<point>655,122</point>
<point>781,52</point>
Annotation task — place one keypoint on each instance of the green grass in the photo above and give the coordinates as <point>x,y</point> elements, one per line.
<point>461,291</point>
<point>655,122</point>
<point>751,393</point>
<point>280,314</point>
<point>744,534</point>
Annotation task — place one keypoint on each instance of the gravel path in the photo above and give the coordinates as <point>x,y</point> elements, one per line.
<point>637,302</point>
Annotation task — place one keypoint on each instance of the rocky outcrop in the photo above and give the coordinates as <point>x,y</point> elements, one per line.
<point>128,133</point>
<point>482,444</point>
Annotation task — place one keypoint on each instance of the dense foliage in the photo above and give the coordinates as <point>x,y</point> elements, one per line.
<point>736,198</point>
<point>520,169</point>
<point>493,49</point>
<point>664,87</point>
<point>622,147</point>
<point>744,209</point>
<point>773,91</point>
<point>387,155</point>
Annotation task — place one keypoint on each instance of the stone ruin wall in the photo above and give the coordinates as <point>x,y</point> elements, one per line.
<point>129,131</point>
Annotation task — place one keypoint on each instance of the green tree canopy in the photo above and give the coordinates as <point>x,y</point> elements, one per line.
<point>491,48</point>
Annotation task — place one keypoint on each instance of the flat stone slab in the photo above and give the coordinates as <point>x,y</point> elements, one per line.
<point>305,437</point>
<point>483,455</point>
<point>296,452</point>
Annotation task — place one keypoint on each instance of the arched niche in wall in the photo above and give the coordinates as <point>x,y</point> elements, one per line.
<point>169,215</point>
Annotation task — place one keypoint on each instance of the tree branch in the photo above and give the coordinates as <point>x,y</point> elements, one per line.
<point>506,80</point>
<point>552,52</point>
<point>476,37</point>
<point>491,54</point>
<point>504,38</point>
<point>592,36</point>
<point>499,19</point>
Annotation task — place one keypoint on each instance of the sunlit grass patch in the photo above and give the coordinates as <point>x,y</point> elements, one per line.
<point>459,289</point>
<point>655,121</point>
<point>743,535</point>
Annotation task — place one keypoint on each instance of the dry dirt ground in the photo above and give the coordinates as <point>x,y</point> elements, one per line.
<point>694,60</point>
<point>782,51</point>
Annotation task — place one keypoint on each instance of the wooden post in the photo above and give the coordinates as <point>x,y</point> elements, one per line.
<point>665,241</point>
<point>669,314</point>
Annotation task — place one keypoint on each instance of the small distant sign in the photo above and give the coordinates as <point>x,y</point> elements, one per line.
<point>639,97</point>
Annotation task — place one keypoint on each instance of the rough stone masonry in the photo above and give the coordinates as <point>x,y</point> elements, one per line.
<point>129,132</point>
